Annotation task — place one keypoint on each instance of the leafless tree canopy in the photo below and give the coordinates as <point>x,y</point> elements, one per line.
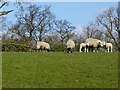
<point>91,31</point>
<point>37,23</point>
<point>108,20</point>
<point>64,29</point>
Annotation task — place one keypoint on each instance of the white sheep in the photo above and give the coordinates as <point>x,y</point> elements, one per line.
<point>94,44</point>
<point>70,45</point>
<point>84,46</point>
<point>108,46</point>
<point>43,46</point>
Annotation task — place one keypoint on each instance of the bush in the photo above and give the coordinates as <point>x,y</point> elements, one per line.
<point>17,48</point>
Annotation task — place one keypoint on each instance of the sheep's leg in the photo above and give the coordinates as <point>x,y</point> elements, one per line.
<point>85,50</point>
<point>94,49</point>
<point>37,50</point>
<point>68,50</point>
<point>111,49</point>
<point>108,49</point>
<point>80,49</point>
<point>89,49</point>
<point>71,50</point>
<point>47,50</point>
<point>44,49</point>
<point>98,49</point>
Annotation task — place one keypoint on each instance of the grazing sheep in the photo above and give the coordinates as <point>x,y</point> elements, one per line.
<point>84,46</point>
<point>94,44</point>
<point>43,46</point>
<point>108,46</point>
<point>70,46</point>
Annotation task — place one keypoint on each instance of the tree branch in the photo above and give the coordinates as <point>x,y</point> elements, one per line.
<point>3,4</point>
<point>5,12</point>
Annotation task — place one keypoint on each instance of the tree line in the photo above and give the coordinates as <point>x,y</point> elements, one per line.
<point>37,23</point>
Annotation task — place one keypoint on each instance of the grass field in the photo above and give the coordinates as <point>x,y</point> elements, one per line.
<point>59,70</point>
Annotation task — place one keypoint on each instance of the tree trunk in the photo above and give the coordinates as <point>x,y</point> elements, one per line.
<point>119,25</point>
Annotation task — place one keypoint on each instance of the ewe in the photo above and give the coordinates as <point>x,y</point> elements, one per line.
<point>70,46</point>
<point>94,44</point>
<point>43,46</point>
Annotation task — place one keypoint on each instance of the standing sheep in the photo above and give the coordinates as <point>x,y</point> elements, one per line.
<point>43,46</point>
<point>94,44</point>
<point>108,46</point>
<point>70,46</point>
<point>84,46</point>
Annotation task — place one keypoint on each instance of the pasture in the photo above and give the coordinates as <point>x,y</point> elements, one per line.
<point>59,70</point>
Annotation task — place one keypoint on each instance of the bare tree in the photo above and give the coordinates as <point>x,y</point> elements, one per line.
<point>118,10</point>
<point>109,21</point>
<point>64,29</point>
<point>91,31</point>
<point>34,20</point>
<point>45,24</point>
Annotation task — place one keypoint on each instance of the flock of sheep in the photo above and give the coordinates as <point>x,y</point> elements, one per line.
<point>90,45</point>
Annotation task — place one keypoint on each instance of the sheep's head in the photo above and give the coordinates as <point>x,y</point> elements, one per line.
<point>101,44</point>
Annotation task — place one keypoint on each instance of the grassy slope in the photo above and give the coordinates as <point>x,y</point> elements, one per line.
<point>0,70</point>
<point>45,70</point>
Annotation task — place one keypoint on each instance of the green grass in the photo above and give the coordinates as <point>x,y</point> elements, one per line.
<point>59,70</point>
<point>0,70</point>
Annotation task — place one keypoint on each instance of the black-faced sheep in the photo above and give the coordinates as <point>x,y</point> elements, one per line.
<point>70,46</point>
<point>94,44</point>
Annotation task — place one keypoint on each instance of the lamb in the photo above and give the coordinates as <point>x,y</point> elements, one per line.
<point>94,44</point>
<point>43,46</point>
<point>70,46</point>
<point>108,46</point>
<point>84,46</point>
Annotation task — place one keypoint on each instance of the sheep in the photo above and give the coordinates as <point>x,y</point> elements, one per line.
<point>70,46</point>
<point>43,46</point>
<point>84,46</point>
<point>108,46</point>
<point>94,44</point>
